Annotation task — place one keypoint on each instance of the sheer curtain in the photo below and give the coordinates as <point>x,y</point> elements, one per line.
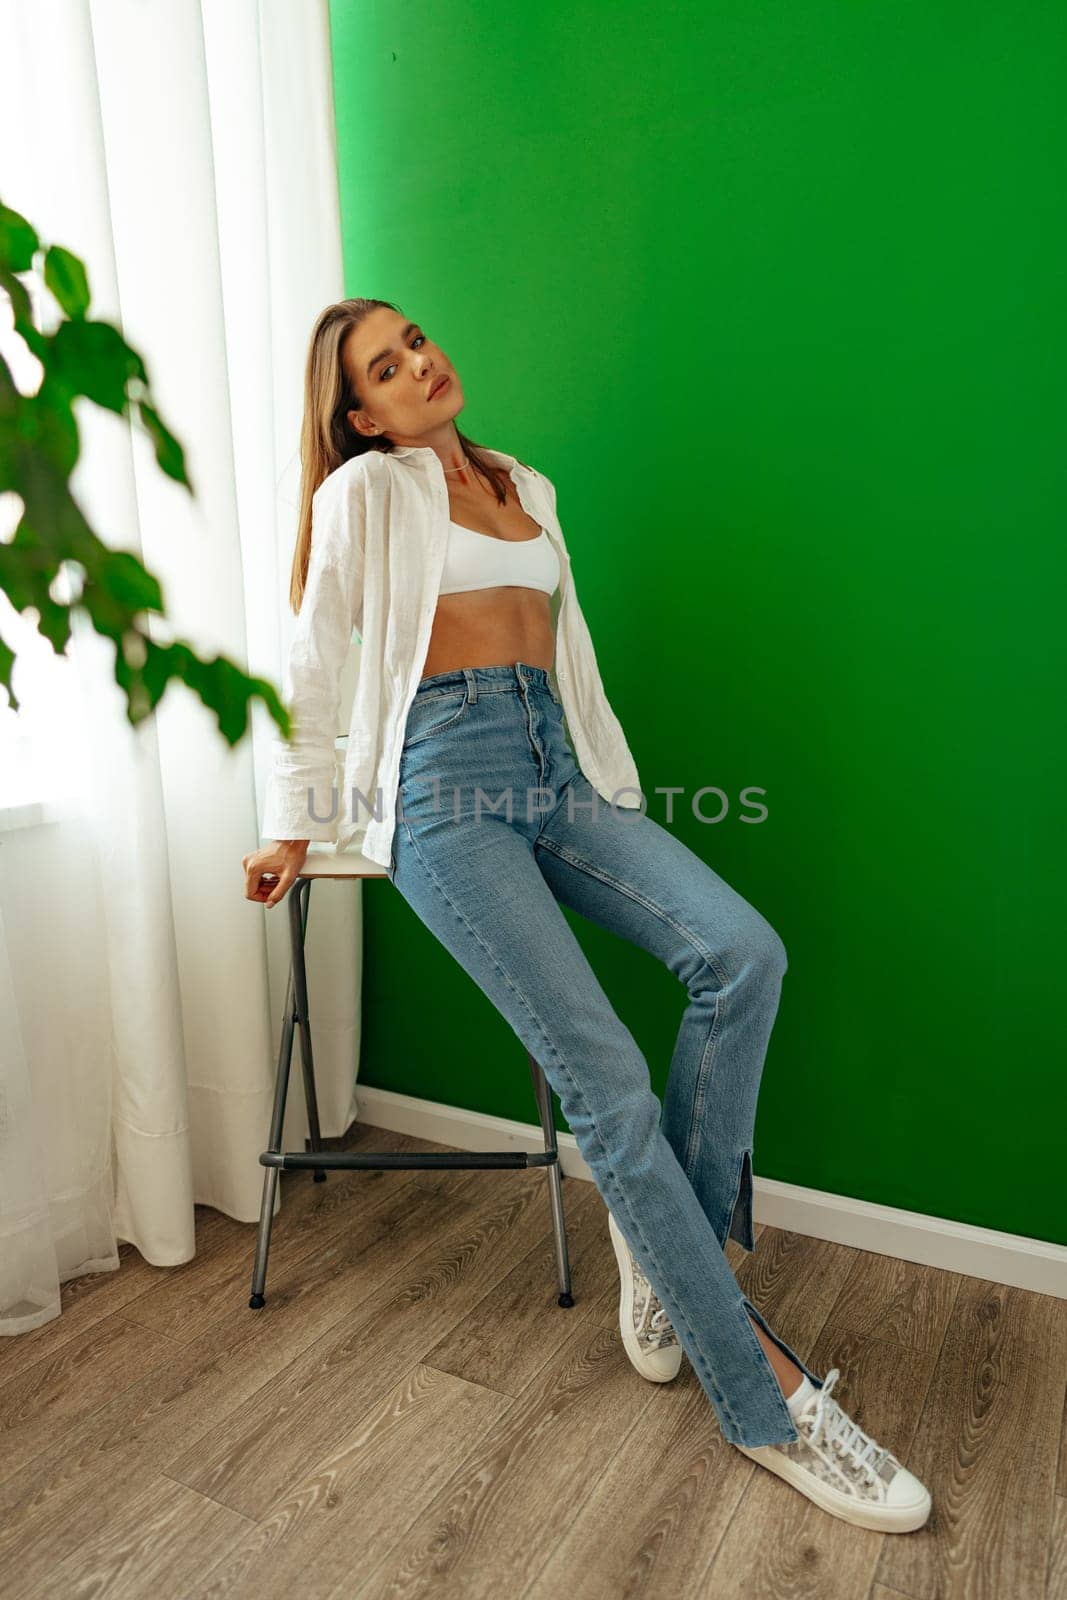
<point>186,152</point>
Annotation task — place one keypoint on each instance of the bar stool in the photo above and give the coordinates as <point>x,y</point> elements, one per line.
<point>323,863</point>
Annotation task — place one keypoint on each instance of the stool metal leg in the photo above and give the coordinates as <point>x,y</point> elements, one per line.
<point>543,1095</point>
<point>270,1174</point>
<point>295,1011</point>
<point>298,933</point>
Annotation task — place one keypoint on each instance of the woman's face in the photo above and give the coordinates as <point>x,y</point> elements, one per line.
<point>392,366</point>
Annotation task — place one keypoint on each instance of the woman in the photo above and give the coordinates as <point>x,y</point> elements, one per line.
<point>447,564</point>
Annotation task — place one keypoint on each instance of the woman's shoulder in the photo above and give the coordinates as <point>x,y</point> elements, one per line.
<point>354,471</point>
<point>531,472</point>
<point>354,467</point>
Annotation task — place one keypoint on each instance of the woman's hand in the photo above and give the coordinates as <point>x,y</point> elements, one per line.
<point>271,872</point>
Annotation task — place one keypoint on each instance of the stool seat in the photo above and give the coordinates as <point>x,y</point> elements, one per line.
<point>322,862</point>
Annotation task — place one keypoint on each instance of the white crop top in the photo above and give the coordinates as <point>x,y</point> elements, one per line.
<point>480,561</point>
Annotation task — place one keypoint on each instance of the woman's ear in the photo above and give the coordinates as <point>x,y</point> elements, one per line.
<point>352,415</point>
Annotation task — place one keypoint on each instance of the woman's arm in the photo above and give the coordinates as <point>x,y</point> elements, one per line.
<point>303,772</point>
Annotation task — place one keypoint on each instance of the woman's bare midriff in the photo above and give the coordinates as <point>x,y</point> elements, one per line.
<point>498,626</point>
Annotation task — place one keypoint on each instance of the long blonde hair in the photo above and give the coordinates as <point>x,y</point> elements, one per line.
<point>327,438</point>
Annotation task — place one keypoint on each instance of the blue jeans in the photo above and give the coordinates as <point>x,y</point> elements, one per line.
<point>490,885</point>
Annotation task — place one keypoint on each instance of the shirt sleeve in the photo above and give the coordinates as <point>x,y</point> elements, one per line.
<point>302,787</point>
<point>550,489</point>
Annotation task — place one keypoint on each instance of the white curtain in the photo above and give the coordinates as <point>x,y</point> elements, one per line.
<point>185,150</point>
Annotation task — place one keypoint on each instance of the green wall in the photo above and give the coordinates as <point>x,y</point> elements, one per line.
<point>774,295</point>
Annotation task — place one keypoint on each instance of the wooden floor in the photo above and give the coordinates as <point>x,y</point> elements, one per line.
<point>412,1414</point>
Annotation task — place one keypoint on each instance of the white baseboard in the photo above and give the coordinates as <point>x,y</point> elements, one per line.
<point>1008,1258</point>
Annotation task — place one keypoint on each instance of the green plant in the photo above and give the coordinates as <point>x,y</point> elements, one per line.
<point>39,447</point>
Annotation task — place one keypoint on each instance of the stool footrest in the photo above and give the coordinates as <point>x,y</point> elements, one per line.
<point>352,1160</point>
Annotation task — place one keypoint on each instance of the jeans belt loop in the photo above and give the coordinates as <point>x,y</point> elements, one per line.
<point>472,686</point>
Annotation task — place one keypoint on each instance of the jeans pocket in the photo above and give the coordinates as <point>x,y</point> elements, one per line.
<point>432,714</point>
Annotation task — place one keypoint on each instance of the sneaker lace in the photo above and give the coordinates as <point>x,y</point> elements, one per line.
<point>656,1321</point>
<point>843,1435</point>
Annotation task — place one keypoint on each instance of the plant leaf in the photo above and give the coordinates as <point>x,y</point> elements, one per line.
<point>68,280</point>
<point>20,298</point>
<point>169,452</point>
<point>128,582</point>
<point>92,358</point>
<point>44,443</point>
<point>54,622</point>
<point>18,241</point>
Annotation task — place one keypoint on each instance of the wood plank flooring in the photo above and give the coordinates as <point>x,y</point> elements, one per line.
<point>411,1414</point>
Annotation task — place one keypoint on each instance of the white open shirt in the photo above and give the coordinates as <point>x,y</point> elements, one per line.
<point>378,544</point>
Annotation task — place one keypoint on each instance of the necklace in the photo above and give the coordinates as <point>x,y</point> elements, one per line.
<point>464,463</point>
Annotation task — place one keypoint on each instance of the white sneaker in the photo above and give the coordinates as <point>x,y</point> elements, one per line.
<point>844,1470</point>
<point>647,1332</point>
